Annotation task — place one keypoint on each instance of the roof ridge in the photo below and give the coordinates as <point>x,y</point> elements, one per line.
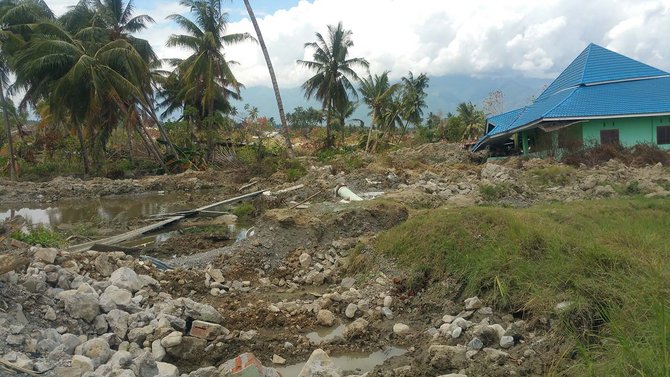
<point>586,62</point>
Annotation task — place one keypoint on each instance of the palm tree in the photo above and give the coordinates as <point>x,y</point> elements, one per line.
<point>343,112</point>
<point>14,19</point>
<point>472,118</point>
<point>80,85</point>
<point>273,77</point>
<point>332,82</point>
<point>413,99</point>
<point>377,93</point>
<point>204,80</point>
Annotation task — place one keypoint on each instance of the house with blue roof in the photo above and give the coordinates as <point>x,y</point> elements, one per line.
<point>601,97</point>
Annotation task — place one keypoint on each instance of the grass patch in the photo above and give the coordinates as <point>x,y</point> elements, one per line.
<point>40,235</point>
<point>491,193</point>
<point>555,175</point>
<point>610,258</point>
<point>244,210</point>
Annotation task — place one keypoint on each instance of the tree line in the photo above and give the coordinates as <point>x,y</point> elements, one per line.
<point>88,75</point>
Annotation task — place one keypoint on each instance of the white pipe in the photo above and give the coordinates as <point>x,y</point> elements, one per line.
<point>344,192</point>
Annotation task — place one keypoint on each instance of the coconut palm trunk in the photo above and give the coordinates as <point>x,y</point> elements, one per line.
<point>273,78</point>
<point>8,130</point>
<point>84,154</point>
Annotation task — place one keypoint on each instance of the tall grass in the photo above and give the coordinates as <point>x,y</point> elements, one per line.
<point>610,259</point>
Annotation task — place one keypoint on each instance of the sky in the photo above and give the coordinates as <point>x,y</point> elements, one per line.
<point>511,38</point>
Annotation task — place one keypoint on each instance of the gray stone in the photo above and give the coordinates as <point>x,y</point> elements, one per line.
<point>506,342</point>
<point>121,360</point>
<point>46,255</point>
<point>97,350</point>
<point>81,303</point>
<point>126,278</point>
<point>495,355</point>
<point>103,265</point>
<point>388,301</point>
<point>387,313</point>
<point>350,311</point>
<point>356,328</point>
<point>473,303</point>
<point>201,312</point>
<point>475,344</point>
<point>145,366</point>
<point>100,324</point>
<point>50,314</point>
<point>115,298</point>
<point>456,332</point>
<point>69,342</point>
<point>82,363</point>
<point>157,350</point>
<point>190,349</point>
<point>118,322</point>
<point>347,282</point>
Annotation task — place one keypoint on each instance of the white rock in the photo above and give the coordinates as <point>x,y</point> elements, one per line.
<point>126,278</point>
<point>81,303</point>
<point>506,342</point>
<point>456,332</point>
<point>448,318</point>
<point>83,364</point>
<point>401,329</point>
<point>173,339</point>
<point>319,364</point>
<point>388,301</point>
<point>248,335</point>
<point>97,350</point>
<point>276,359</point>
<point>167,370</point>
<point>114,298</point>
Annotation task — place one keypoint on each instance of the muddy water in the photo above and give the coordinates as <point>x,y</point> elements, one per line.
<point>107,210</point>
<point>358,362</point>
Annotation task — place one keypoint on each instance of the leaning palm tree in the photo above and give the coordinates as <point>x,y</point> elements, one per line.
<point>377,93</point>
<point>204,80</point>
<point>332,82</point>
<point>273,78</point>
<point>472,118</point>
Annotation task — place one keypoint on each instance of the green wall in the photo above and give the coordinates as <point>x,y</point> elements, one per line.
<point>631,130</point>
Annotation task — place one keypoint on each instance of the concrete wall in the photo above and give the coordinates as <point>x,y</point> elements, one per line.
<point>631,130</point>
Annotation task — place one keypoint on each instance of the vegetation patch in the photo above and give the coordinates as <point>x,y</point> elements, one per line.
<point>244,210</point>
<point>638,155</point>
<point>554,175</point>
<point>609,259</point>
<point>41,236</point>
<point>491,193</point>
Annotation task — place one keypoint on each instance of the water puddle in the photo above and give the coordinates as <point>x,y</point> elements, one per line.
<point>325,334</point>
<point>95,211</point>
<point>358,362</point>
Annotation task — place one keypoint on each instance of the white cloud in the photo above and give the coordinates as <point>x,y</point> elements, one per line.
<point>477,37</point>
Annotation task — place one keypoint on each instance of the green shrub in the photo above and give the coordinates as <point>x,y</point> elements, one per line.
<point>491,193</point>
<point>555,175</point>
<point>40,236</point>
<point>244,210</point>
<point>633,188</point>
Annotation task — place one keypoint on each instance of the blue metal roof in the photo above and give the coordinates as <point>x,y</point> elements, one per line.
<point>598,83</point>
<point>599,65</point>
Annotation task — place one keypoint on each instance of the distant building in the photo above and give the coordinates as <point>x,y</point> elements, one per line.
<point>601,97</point>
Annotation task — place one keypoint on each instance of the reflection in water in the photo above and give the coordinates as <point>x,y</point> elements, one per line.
<point>360,362</point>
<point>106,210</point>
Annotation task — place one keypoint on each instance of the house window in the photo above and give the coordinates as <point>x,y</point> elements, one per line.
<point>609,137</point>
<point>663,134</point>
